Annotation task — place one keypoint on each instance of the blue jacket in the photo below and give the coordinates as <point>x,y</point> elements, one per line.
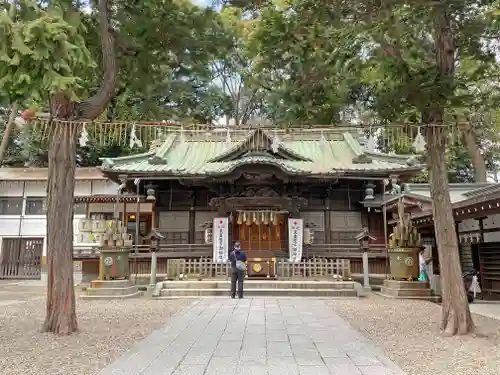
<point>237,255</point>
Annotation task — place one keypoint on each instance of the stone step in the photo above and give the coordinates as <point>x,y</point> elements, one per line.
<point>111,297</point>
<point>261,292</point>
<point>396,284</point>
<point>430,298</point>
<point>111,291</point>
<point>259,284</point>
<point>111,283</point>
<point>406,292</point>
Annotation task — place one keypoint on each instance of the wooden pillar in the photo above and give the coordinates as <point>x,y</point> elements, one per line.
<point>457,231</point>
<point>125,216</point>
<point>192,220</point>
<point>153,214</point>
<point>327,222</point>
<point>481,229</point>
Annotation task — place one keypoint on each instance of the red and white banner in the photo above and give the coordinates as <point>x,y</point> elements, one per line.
<point>295,239</point>
<point>220,238</point>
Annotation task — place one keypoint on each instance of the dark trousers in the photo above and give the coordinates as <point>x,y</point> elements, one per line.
<point>237,275</point>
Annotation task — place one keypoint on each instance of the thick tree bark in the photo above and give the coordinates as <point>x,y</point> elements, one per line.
<point>470,140</point>
<point>455,305</point>
<point>61,312</point>
<point>6,133</point>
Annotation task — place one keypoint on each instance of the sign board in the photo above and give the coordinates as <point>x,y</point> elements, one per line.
<point>295,239</point>
<point>220,238</point>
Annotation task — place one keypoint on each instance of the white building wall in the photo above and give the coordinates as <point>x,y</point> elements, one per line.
<point>36,225</point>
<point>489,223</point>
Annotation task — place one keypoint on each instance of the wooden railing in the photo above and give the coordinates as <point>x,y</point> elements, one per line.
<point>332,251</point>
<point>316,268</point>
<point>143,251</point>
<point>340,251</point>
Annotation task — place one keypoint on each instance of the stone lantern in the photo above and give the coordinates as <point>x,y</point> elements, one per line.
<point>364,238</point>
<point>154,237</point>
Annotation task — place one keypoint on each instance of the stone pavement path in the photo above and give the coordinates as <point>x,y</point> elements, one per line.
<point>259,336</point>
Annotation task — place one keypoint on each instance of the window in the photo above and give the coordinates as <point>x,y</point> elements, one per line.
<point>79,208</point>
<point>11,206</point>
<point>35,206</point>
<point>104,216</point>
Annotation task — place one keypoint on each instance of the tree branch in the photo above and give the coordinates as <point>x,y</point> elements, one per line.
<point>91,108</point>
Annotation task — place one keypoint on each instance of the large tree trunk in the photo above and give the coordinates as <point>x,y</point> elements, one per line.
<point>6,133</point>
<point>455,305</point>
<point>61,314</point>
<point>470,140</point>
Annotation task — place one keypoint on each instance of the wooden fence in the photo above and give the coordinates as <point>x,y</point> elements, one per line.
<point>316,268</point>
<point>21,258</point>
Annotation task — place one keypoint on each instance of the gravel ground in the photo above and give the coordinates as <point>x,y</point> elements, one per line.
<point>107,328</point>
<point>408,332</point>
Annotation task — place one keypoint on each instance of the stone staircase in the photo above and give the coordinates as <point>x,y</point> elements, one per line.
<point>112,289</point>
<point>255,288</point>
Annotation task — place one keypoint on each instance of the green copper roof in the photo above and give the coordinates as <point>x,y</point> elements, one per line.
<point>309,152</point>
<point>458,191</point>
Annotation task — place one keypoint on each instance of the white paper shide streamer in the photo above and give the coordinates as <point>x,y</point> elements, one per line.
<point>84,137</point>
<point>419,142</point>
<point>134,139</point>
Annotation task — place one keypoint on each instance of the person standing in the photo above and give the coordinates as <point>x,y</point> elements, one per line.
<point>238,260</point>
<point>424,276</point>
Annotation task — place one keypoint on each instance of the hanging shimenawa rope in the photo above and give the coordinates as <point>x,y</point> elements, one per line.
<point>139,135</point>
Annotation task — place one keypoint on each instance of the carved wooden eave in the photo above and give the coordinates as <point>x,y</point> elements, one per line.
<point>227,204</point>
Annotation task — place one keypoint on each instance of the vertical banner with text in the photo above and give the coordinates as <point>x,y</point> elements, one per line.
<point>295,239</point>
<point>220,237</point>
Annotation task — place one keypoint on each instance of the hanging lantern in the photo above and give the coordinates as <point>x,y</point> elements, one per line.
<point>240,218</point>
<point>254,217</point>
<point>257,217</point>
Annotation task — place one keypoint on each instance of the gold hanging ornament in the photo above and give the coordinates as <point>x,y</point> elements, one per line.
<point>257,218</point>
<point>240,218</point>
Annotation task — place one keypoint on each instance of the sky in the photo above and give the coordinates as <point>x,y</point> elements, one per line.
<point>202,2</point>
